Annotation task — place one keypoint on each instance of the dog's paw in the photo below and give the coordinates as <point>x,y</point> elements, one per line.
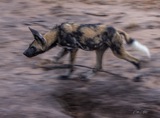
<point>144,64</point>
<point>138,78</point>
<point>64,77</point>
<point>56,60</point>
<point>83,78</point>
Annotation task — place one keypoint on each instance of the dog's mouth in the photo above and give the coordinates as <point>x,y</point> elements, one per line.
<point>30,52</point>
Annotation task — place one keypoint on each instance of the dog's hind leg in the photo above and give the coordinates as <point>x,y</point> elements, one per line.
<point>99,57</point>
<point>121,53</point>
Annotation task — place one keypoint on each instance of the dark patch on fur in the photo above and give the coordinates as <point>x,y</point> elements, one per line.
<point>94,26</point>
<point>90,43</point>
<point>67,39</point>
<point>78,34</point>
<point>116,47</point>
<point>137,65</point>
<point>110,32</point>
<point>130,41</point>
<point>105,36</point>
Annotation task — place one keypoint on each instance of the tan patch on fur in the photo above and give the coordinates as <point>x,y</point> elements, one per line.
<point>124,35</point>
<point>69,28</point>
<point>101,28</point>
<point>88,32</point>
<point>92,33</point>
<point>116,37</point>
<point>50,37</point>
<point>37,45</point>
<point>97,40</point>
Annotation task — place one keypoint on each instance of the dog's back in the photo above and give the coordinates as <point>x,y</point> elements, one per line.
<point>84,36</point>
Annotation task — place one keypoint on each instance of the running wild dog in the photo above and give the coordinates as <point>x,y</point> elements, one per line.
<point>88,37</point>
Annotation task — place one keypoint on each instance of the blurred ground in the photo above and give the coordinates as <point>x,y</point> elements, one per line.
<point>29,92</point>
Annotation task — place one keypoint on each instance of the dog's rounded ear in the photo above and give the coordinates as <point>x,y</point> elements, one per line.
<point>37,36</point>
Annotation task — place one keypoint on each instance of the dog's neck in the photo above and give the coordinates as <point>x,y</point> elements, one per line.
<point>51,38</point>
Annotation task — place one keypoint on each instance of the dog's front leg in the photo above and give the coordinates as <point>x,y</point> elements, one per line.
<point>73,53</point>
<point>61,54</point>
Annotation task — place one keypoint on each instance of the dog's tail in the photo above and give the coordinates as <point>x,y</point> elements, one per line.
<point>135,44</point>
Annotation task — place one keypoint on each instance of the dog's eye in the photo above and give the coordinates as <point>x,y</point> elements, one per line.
<point>33,48</point>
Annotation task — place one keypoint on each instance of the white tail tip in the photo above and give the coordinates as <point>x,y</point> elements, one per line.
<point>142,48</point>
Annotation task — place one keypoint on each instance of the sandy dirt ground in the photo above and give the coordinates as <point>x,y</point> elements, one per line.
<point>28,91</point>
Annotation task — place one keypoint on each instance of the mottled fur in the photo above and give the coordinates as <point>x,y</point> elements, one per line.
<point>71,37</point>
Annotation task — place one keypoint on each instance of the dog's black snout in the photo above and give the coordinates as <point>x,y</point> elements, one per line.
<point>30,52</point>
<point>25,53</point>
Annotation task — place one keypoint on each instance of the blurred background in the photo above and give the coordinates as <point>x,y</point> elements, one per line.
<point>29,91</point>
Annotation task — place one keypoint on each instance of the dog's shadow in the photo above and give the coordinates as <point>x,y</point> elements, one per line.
<point>48,65</point>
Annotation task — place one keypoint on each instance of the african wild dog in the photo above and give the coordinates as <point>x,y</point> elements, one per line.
<point>98,37</point>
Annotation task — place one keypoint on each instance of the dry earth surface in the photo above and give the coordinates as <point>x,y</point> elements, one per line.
<point>27,91</point>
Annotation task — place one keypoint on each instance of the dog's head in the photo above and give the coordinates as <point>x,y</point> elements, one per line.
<point>37,46</point>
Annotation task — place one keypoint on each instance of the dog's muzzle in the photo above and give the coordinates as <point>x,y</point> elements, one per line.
<point>30,52</point>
